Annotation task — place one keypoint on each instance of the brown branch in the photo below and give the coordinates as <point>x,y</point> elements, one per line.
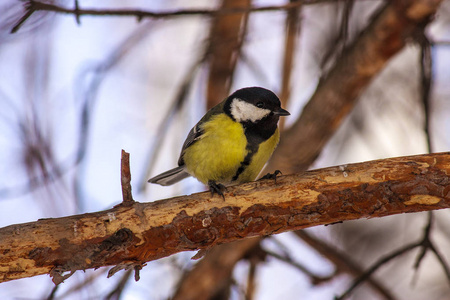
<point>149,231</point>
<point>290,49</point>
<point>338,43</point>
<point>315,279</point>
<point>255,256</point>
<point>336,94</point>
<point>125,181</point>
<point>196,286</point>
<point>426,74</point>
<point>118,289</point>
<point>225,43</point>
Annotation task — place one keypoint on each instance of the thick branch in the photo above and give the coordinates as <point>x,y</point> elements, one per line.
<point>148,231</point>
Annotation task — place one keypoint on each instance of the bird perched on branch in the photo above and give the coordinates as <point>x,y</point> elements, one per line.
<point>231,143</point>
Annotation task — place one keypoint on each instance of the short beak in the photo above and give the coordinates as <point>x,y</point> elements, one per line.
<point>281,112</point>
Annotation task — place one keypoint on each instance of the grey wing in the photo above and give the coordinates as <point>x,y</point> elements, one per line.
<point>196,132</point>
<point>194,135</point>
<point>170,177</point>
<point>176,174</point>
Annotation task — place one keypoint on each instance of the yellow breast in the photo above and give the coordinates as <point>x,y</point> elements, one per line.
<point>221,150</point>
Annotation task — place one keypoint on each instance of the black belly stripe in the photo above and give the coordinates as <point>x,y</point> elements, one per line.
<point>252,149</point>
<point>256,133</point>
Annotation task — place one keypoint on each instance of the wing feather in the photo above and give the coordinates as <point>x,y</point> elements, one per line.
<point>197,131</point>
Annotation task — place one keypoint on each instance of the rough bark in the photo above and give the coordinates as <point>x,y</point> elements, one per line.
<point>148,231</point>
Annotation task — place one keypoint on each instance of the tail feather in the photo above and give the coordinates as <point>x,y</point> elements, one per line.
<point>170,177</point>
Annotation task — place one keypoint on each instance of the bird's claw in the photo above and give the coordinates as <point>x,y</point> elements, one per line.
<point>271,175</point>
<point>216,188</point>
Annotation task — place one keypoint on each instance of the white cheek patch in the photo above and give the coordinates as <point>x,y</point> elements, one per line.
<point>243,111</point>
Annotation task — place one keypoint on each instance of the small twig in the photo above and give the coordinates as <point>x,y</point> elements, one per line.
<point>315,279</point>
<point>29,10</point>
<point>426,65</point>
<point>339,43</point>
<point>425,241</point>
<point>53,292</point>
<point>427,244</point>
<point>77,12</point>
<point>117,291</point>
<point>291,38</point>
<point>32,6</point>
<point>125,175</point>
<point>83,284</point>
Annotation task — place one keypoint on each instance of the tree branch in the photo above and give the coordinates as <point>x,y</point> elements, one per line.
<point>125,176</point>
<point>149,231</point>
<point>225,42</point>
<point>32,6</point>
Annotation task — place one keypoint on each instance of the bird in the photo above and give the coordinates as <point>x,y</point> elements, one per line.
<point>231,143</point>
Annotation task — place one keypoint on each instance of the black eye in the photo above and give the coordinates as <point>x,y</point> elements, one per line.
<point>260,104</point>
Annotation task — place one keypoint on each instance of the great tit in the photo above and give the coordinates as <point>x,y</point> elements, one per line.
<point>231,143</point>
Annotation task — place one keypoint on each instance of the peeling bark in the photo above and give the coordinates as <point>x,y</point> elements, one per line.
<point>148,231</point>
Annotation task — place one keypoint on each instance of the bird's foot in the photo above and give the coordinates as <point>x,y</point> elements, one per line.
<point>271,175</point>
<point>216,188</point>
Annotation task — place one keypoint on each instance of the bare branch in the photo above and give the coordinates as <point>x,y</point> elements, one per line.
<point>426,82</point>
<point>315,279</point>
<point>32,6</point>
<point>293,24</point>
<point>125,181</point>
<point>225,42</point>
<point>149,231</point>
<point>427,244</point>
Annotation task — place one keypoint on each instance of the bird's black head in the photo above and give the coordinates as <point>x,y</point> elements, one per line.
<point>253,105</point>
